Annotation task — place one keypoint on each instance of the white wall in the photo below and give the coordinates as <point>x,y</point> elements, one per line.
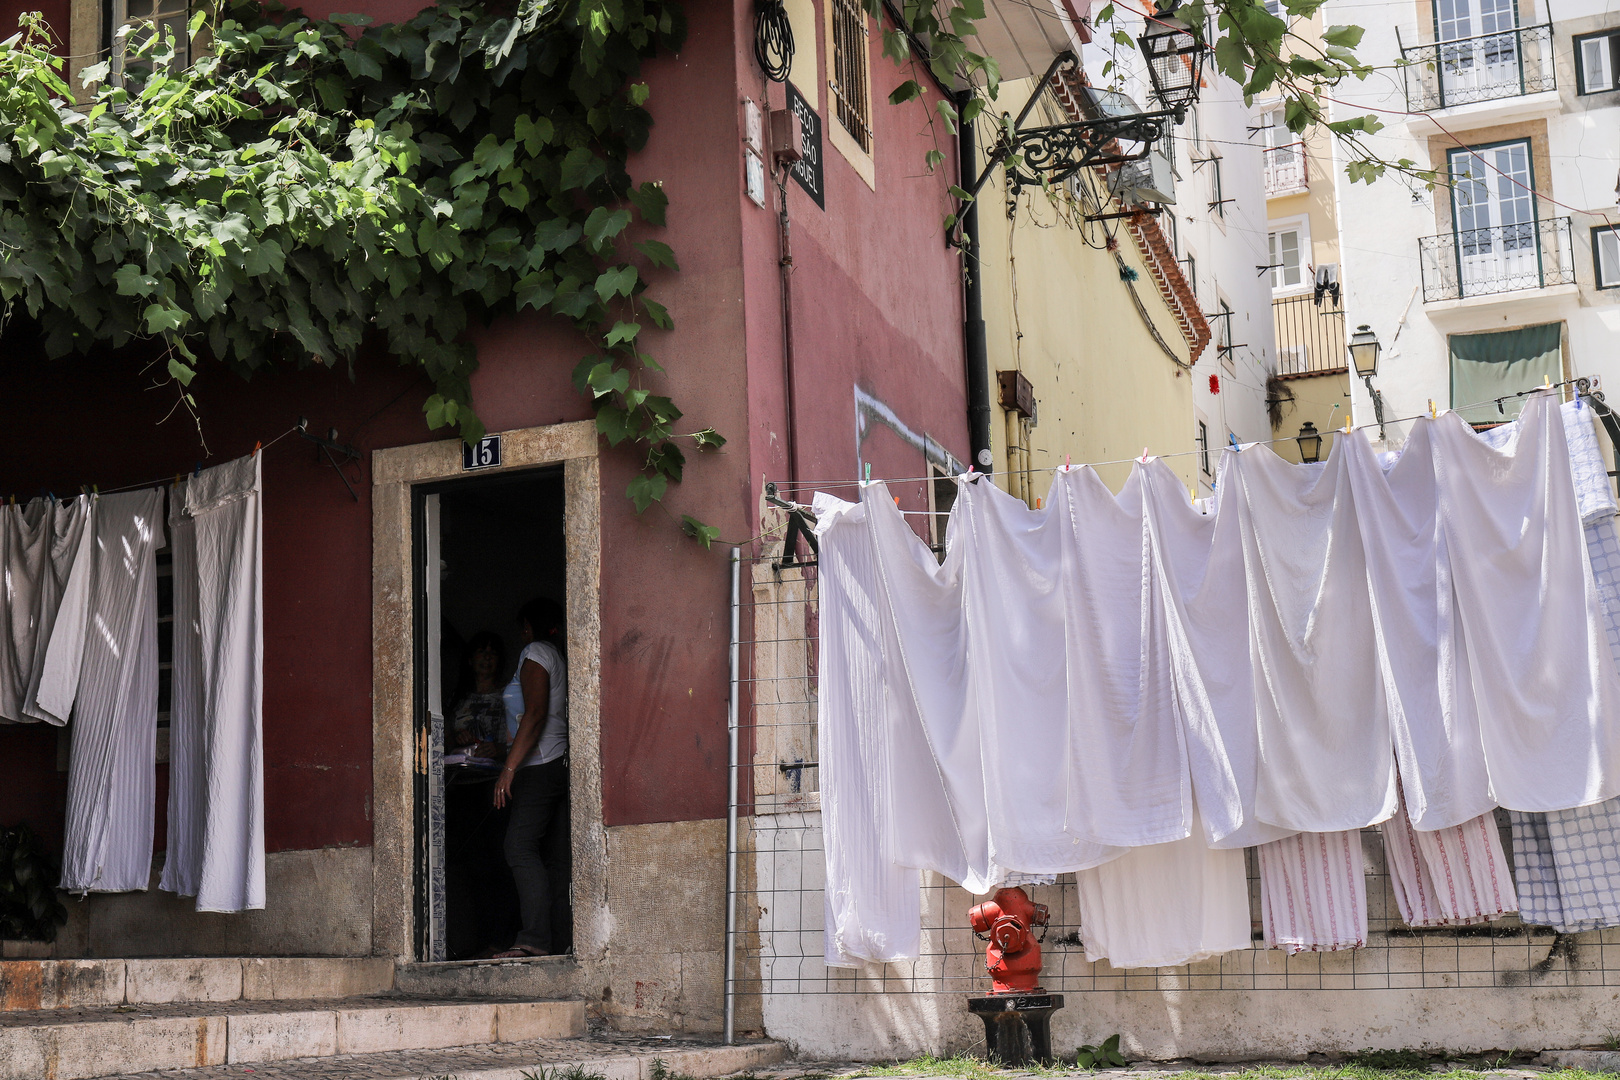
<point>1380,223</point>
<point>1226,249</point>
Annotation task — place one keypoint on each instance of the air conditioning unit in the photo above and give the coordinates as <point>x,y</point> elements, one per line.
<point>1147,180</point>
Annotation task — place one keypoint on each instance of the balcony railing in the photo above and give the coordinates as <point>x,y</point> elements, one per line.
<point>1508,64</point>
<point>1310,339</point>
<point>1506,258</point>
<point>1286,171</point>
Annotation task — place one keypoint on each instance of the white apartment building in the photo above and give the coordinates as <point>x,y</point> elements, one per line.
<point>1217,226</point>
<point>1507,274</point>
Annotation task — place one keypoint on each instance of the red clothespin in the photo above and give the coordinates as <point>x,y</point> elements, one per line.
<point>256,449</point>
<point>1065,462</point>
<point>1144,457</point>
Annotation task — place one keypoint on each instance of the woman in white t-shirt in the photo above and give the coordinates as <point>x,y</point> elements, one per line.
<point>535,783</point>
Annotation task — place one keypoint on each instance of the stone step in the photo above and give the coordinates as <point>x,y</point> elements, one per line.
<point>27,985</point>
<point>610,1057</point>
<point>81,1043</point>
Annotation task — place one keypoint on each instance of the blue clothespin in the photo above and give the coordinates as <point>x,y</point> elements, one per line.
<point>1232,438</point>
<point>198,470</point>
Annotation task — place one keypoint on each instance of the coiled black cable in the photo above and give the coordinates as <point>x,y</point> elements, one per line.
<point>773,39</point>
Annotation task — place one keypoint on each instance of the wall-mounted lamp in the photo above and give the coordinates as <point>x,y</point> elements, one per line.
<point>1364,350</point>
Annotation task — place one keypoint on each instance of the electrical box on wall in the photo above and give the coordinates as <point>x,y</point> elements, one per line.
<point>1149,180</point>
<point>1017,393</point>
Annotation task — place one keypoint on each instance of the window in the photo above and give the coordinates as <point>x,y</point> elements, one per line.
<point>849,79</point>
<point>144,19</point>
<point>1218,201</point>
<point>1203,449</point>
<point>1274,7</point>
<point>1189,270</point>
<point>1289,246</point>
<point>1597,62</point>
<point>1488,367</point>
<point>941,497</point>
<point>1223,336</point>
<point>1606,256</point>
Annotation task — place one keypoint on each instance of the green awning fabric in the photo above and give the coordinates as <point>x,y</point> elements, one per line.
<point>1488,366</point>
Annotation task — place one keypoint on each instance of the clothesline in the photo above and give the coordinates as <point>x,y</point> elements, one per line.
<point>92,489</point>
<point>807,484</point>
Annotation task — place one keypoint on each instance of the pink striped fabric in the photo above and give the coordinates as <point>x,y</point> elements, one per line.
<point>1313,895</point>
<point>1448,877</point>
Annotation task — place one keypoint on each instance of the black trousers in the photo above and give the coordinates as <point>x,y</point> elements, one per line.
<point>537,850</point>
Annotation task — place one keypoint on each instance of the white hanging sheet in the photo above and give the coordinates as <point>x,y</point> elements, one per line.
<point>1164,905</point>
<point>872,904</point>
<point>40,543</point>
<point>1198,561</point>
<point>1326,761</point>
<point>1066,649</point>
<point>224,504</point>
<point>1544,680</point>
<point>182,861</point>
<point>25,539</point>
<point>107,842</point>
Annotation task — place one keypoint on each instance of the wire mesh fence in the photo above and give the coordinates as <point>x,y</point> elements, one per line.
<point>780,895</point>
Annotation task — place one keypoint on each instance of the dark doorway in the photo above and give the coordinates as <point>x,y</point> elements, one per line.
<point>486,547</point>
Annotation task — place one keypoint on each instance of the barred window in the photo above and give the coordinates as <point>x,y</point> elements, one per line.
<point>850,75</point>
<point>146,19</point>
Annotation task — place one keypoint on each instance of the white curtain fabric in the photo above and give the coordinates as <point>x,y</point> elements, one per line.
<point>182,862</point>
<point>216,777</point>
<point>40,543</point>
<point>112,696</point>
<point>1313,892</point>
<point>1448,877</point>
<point>1165,905</point>
<point>1066,684</point>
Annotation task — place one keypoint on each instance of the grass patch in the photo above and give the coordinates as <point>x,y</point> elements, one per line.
<point>1369,1065</point>
<point>572,1072</point>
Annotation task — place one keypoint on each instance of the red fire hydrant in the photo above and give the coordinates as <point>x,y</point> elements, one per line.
<point>1013,956</point>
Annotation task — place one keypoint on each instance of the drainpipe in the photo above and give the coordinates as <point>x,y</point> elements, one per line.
<point>975,350</point>
<point>734,762</point>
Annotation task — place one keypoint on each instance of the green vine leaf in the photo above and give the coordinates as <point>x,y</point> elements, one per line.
<point>703,534</point>
<point>308,185</point>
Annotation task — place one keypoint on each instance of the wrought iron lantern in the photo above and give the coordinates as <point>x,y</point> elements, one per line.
<point>1364,349</point>
<point>1310,443</point>
<point>1175,59</point>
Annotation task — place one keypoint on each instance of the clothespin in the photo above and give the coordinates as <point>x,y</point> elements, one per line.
<point>177,477</point>
<point>1065,462</point>
<point>1037,502</point>
<point>1231,438</point>
<point>1431,409</point>
<point>198,471</point>
<point>1347,423</point>
<point>868,471</point>
<point>95,489</point>
<point>1499,408</point>
<point>256,449</point>
<point>1143,458</point>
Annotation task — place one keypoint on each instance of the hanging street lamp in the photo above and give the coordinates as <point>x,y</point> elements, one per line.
<point>1364,349</point>
<point>1115,130</point>
<point>1175,59</point>
<point>1310,443</point>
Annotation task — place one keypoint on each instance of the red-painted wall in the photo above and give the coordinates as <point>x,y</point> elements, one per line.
<point>876,303</point>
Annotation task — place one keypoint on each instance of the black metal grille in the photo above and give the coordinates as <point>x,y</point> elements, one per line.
<point>849,88</point>
<point>1310,338</point>
<point>1504,258</point>
<point>1488,67</point>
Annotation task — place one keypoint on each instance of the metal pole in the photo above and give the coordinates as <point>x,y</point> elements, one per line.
<point>731,803</point>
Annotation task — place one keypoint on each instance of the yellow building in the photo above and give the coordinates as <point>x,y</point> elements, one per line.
<point>1312,383</point>
<point>1091,326</point>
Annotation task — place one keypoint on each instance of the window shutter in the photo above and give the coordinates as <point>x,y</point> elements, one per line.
<point>1596,71</point>
<point>1608,257</point>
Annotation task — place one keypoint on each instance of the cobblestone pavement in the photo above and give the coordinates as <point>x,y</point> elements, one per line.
<point>535,1056</point>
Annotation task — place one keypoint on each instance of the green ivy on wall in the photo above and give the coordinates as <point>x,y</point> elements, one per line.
<point>306,184</point>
